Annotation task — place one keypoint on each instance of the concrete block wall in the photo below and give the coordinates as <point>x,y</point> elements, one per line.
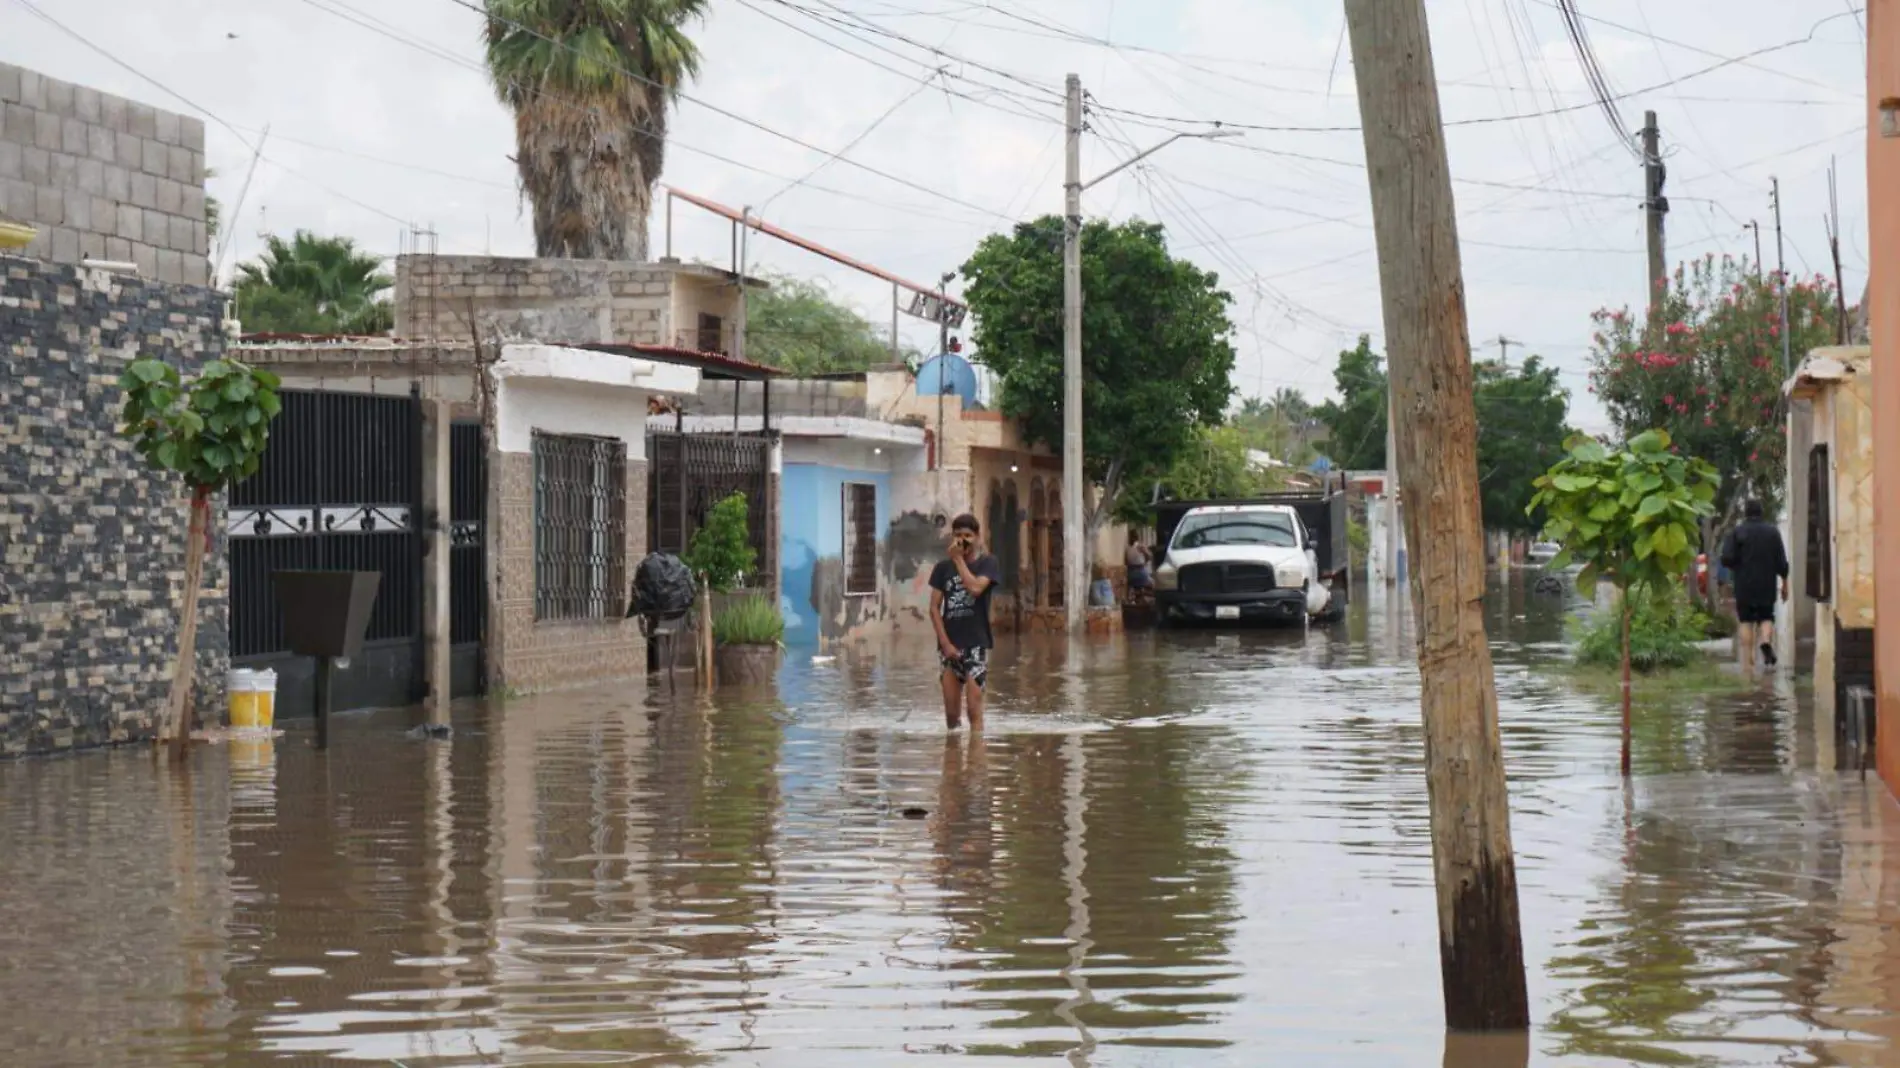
<point>102,177</point>
<point>539,299</point>
<point>92,543</point>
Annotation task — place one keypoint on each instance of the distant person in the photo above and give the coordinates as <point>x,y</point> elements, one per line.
<point>960,591</point>
<point>1758,561</point>
<point>1138,561</point>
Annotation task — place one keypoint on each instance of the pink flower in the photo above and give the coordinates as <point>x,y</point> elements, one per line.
<point>1669,399</point>
<point>1753,456</point>
<point>1708,420</point>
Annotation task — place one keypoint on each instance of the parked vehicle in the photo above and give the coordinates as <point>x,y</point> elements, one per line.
<point>1281,558</point>
<point>1542,553</point>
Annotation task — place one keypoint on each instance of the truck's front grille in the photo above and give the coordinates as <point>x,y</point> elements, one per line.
<point>1213,579</point>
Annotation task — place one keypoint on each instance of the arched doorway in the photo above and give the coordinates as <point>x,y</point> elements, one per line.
<point>1052,562</point>
<point>1038,590</point>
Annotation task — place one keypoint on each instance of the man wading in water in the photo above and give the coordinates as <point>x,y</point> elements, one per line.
<point>1759,562</point>
<point>960,589</point>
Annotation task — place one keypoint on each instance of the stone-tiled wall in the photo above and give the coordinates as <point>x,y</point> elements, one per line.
<point>92,544</point>
<point>527,655</point>
<point>102,177</point>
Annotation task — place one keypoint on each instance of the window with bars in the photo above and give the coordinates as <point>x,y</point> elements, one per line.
<point>580,527</point>
<point>860,538</point>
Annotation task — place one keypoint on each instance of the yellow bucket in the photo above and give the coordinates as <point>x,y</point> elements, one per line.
<point>240,691</point>
<point>265,697</point>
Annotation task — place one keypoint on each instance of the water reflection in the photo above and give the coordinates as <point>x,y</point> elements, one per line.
<point>1203,847</point>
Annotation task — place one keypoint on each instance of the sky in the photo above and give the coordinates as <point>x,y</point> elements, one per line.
<point>904,131</point>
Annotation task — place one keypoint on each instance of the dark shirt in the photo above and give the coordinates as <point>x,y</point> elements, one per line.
<point>1759,561</point>
<point>966,619</point>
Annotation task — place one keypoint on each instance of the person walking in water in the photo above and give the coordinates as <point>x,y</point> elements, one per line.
<point>1759,562</point>
<point>960,591</point>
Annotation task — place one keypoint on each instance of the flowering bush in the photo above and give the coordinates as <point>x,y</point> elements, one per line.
<point>1706,367</point>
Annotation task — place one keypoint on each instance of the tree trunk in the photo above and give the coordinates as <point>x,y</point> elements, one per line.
<point>1627,612</point>
<point>177,723</point>
<point>1481,952</point>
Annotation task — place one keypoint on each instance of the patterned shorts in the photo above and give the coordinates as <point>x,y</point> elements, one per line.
<point>972,665</point>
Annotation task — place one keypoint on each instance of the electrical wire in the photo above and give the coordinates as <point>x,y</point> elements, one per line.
<point>1593,71</point>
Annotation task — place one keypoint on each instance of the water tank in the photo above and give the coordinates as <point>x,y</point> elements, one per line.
<point>949,374</point>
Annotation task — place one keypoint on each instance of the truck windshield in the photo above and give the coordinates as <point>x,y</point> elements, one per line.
<point>1236,528</point>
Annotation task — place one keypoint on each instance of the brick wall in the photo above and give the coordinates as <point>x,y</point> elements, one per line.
<point>550,301</point>
<point>527,655</point>
<point>102,177</point>
<point>91,542</point>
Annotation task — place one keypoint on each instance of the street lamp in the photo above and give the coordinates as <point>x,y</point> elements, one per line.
<point>1075,553</point>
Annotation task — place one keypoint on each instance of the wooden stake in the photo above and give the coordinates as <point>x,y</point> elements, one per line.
<point>1481,953</point>
<point>177,724</point>
<point>1627,612</point>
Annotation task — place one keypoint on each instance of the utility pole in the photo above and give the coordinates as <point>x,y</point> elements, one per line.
<point>1075,579</point>
<point>1781,277</point>
<point>1392,526</point>
<point>1480,944</point>
<point>1834,246</point>
<point>1756,226</point>
<point>1655,206</point>
<point>1504,350</point>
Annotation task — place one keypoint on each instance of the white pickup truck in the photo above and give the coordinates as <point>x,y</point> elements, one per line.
<point>1246,561</point>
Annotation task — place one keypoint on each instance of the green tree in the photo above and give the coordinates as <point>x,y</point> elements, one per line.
<point>1632,516</point>
<point>314,285</point>
<point>590,82</point>
<point>1706,366</point>
<point>1286,425</point>
<point>1355,422</point>
<point>721,553</point>
<point>798,326</point>
<point>1215,466</point>
<point>1157,361</point>
<point>213,434</point>
<point>1521,433</point>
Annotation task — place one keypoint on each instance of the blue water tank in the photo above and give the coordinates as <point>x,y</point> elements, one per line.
<point>948,374</point>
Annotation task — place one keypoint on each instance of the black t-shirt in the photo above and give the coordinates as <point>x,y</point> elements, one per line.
<point>966,619</point>
<point>1758,559</point>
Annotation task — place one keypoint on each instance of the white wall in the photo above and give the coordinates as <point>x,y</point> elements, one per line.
<point>845,452</point>
<point>524,405</point>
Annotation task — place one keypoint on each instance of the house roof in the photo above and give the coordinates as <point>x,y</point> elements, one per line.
<point>709,364</point>
<point>1824,367</point>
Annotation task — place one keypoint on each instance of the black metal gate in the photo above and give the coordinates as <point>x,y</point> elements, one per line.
<point>339,487</point>
<point>468,563</point>
<point>689,473</point>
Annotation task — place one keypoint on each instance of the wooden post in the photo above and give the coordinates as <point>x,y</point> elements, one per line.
<point>1628,611</point>
<point>177,723</point>
<point>1481,952</point>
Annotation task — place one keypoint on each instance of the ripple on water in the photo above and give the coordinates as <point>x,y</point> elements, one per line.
<point>1194,847</point>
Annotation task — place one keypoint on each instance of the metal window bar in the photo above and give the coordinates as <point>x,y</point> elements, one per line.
<point>860,538</point>
<point>580,527</point>
<point>689,473</point>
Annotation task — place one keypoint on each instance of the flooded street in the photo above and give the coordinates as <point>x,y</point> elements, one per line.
<point>1185,848</point>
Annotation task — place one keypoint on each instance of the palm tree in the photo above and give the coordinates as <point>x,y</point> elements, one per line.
<point>313,284</point>
<point>589,82</point>
<point>1290,405</point>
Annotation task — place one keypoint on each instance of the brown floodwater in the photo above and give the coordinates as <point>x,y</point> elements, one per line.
<point>1194,848</point>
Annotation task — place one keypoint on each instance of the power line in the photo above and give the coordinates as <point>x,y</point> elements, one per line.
<point>738,118</point>
<point>206,112</point>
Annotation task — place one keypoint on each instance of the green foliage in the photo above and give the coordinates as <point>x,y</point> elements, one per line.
<point>1631,516</point>
<point>721,552</point>
<point>313,285</point>
<point>1285,425</point>
<point>1664,628</point>
<point>798,326</point>
<point>749,620</point>
<point>1358,538</point>
<point>1157,361</point>
<point>212,432</point>
<point>1521,417</point>
<point>1355,422</point>
<point>1214,467</point>
<point>1706,366</point>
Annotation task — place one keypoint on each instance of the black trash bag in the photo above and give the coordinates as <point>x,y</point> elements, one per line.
<point>662,586</point>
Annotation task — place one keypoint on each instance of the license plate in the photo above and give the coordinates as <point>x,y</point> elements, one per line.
<point>1227,611</point>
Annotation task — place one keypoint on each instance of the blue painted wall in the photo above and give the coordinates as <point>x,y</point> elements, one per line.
<point>811,526</point>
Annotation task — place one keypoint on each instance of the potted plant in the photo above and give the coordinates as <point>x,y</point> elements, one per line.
<point>720,555</point>
<point>748,633</point>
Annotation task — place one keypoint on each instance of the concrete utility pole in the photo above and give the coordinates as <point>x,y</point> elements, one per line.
<point>1756,226</point>
<point>1480,946</point>
<point>1781,278</point>
<point>1075,575</point>
<point>1504,350</point>
<point>1655,206</point>
<point>1075,553</point>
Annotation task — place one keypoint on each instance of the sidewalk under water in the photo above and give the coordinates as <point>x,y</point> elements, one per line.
<point>1183,848</point>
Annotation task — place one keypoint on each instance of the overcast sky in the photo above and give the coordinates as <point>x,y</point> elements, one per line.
<point>380,116</point>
